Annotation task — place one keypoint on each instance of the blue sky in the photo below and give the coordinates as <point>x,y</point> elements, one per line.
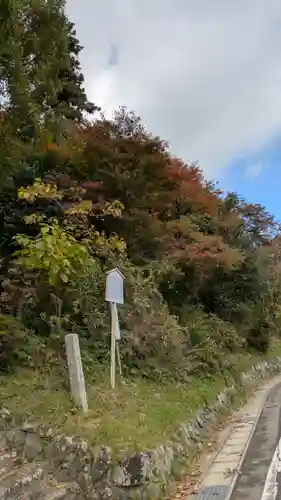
<point>257,177</point>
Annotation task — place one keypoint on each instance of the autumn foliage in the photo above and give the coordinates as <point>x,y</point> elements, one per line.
<point>202,267</point>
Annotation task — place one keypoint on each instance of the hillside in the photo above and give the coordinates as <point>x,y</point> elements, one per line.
<point>81,194</point>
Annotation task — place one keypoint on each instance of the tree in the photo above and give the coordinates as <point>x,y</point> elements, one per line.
<point>40,76</point>
<point>246,225</point>
<point>71,100</point>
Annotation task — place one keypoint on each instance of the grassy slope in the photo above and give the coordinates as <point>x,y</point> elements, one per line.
<point>139,415</point>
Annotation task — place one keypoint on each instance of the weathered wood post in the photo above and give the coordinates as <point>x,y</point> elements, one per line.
<point>75,370</point>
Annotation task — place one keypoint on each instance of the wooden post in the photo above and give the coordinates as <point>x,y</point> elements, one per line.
<point>75,369</point>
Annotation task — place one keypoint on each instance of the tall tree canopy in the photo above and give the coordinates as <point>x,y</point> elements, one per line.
<point>40,75</point>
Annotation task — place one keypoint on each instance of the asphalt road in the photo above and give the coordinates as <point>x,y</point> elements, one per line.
<point>260,474</point>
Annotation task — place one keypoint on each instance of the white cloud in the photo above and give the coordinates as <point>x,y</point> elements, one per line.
<point>205,75</point>
<point>253,171</point>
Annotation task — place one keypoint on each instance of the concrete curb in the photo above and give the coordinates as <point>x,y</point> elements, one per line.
<point>235,477</point>
<point>212,479</point>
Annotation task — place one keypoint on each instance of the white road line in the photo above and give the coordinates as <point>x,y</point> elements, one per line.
<point>271,486</point>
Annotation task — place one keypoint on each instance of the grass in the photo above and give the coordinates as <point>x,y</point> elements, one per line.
<point>140,414</point>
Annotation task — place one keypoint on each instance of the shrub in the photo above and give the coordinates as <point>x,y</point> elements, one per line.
<point>18,346</point>
<point>259,335</point>
<point>152,339</point>
<point>214,338</point>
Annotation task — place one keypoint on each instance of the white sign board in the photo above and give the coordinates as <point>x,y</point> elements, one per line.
<point>114,291</point>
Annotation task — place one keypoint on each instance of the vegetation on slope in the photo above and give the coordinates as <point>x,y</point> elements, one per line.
<point>80,195</point>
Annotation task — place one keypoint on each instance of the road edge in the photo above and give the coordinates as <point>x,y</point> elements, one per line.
<point>255,405</point>
<point>247,444</point>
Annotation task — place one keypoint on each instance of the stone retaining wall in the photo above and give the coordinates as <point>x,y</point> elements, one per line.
<point>144,475</point>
